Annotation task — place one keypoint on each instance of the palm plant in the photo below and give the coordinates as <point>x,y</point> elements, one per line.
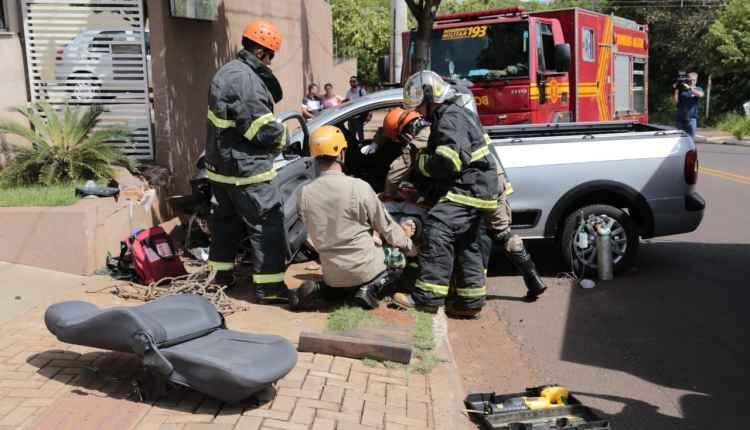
<point>65,146</point>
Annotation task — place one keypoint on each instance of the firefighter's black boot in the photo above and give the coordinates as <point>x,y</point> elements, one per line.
<point>367,296</point>
<point>224,278</point>
<point>307,296</point>
<point>524,264</point>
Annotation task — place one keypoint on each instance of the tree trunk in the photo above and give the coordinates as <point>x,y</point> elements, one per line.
<point>421,60</point>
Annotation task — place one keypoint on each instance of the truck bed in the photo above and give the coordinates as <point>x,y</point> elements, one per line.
<point>570,129</point>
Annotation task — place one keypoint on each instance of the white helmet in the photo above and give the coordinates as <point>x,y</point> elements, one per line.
<point>426,86</point>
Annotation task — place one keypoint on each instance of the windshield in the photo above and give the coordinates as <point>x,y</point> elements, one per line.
<point>482,52</point>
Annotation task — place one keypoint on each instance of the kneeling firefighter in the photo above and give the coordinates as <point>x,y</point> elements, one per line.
<point>458,159</point>
<point>340,213</point>
<point>244,137</point>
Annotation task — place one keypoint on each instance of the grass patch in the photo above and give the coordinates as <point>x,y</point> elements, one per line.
<point>424,344</point>
<point>38,195</point>
<point>350,318</point>
<point>736,124</point>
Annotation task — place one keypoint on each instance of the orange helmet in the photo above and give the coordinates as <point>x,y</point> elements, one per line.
<point>264,34</point>
<point>396,119</point>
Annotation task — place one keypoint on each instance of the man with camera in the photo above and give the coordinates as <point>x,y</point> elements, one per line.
<point>686,95</point>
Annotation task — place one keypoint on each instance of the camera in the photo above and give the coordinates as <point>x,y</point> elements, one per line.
<point>682,82</point>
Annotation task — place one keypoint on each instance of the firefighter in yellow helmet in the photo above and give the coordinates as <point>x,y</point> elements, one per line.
<point>340,212</point>
<point>243,139</point>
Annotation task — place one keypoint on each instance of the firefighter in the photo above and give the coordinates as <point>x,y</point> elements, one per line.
<point>457,158</point>
<point>244,137</point>
<point>499,222</point>
<point>340,213</point>
<point>411,131</point>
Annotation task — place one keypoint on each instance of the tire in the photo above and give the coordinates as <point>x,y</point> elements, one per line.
<point>583,260</point>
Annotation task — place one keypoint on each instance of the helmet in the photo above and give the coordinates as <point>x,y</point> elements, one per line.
<point>264,34</point>
<point>395,121</point>
<point>327,140</point>
<point>426,87</point>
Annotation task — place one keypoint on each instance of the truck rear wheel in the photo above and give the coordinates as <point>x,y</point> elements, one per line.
<point>578,243</point>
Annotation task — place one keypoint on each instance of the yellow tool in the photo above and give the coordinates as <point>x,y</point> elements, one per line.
<point>551,397</point>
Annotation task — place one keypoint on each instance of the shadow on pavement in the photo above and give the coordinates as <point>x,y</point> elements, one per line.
<point>679,322</point>
<point>112,375</point>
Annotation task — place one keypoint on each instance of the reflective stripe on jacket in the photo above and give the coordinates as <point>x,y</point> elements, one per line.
<point>244,136</point>
<point>458,156</point>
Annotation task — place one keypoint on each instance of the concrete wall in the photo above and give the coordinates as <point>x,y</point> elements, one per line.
<point>73,239</point>
<point>186,53</point>
<point>12,74</point>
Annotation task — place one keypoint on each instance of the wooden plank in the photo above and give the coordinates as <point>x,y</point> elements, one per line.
<point>354,345</point>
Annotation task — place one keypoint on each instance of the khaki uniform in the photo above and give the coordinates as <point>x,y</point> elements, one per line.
<point>401,168</point>
<point>340,213</point>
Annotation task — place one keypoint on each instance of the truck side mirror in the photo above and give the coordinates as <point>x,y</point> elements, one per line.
<point>562,57</point>
<point>384,68</point>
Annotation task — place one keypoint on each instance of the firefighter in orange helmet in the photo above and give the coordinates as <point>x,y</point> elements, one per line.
<point>243,139</point>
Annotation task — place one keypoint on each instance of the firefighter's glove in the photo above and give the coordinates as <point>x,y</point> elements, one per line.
<point>370,149</point>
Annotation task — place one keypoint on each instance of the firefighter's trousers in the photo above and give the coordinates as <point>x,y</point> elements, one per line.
<point>455,237</point>
<point>255,212</point>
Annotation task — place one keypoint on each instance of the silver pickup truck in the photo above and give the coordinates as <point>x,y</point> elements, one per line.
<point>641,176</point>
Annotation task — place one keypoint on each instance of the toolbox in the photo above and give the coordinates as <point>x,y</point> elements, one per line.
<point>513,412</point>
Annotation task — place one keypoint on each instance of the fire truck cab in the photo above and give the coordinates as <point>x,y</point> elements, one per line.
<point>544,67</point>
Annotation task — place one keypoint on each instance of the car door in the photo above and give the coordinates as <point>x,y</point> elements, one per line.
<point>292,172</point>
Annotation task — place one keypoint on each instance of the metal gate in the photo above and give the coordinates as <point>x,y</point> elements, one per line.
<point>92,52</point>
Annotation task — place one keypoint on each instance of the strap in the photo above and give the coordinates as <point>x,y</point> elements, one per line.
<point>153,359</point>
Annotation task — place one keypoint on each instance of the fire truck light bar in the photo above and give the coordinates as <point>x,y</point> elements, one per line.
<point>483,14</point>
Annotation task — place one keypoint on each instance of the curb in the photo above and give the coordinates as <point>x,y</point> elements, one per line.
<point>448,406</point>
<point>721,140</point>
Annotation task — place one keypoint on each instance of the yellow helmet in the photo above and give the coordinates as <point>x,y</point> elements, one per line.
<point>327,140</point>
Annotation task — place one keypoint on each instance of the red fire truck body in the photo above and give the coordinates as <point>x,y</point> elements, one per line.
<point>522,72</point>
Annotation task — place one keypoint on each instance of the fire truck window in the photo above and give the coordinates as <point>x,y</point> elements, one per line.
<point>545,47</point>
<point>639,85</point>
<point>482,52</point>
<point>622,83</point>
<point>587,40</point>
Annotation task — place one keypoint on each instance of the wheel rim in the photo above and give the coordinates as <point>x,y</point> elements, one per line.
<point>584,251</point>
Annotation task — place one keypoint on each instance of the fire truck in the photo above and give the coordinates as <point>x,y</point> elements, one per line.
<point>544,67</point>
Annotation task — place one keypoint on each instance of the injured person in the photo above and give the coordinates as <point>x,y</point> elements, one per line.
<point>341,213</point>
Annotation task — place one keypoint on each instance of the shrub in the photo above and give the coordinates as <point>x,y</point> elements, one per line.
<point>67,146</point>
<point>736,124</point>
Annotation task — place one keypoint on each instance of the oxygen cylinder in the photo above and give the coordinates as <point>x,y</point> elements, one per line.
<point>604,264</point>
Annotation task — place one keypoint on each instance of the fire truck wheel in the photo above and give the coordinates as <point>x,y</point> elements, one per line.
<point>578,240</point>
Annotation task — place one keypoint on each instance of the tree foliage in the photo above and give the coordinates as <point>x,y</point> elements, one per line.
<point>361,30</point>
<point>730,34</point>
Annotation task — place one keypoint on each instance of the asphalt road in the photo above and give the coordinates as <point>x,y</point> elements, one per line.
<point>666,347</point>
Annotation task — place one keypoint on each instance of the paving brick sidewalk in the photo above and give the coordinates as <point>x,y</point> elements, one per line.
<point>45,384</point>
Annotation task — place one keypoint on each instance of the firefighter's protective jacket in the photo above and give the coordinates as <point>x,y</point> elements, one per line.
<point>458,158</point>
<point>244,136</point>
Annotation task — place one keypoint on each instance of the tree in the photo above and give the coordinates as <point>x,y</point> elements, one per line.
<point>361,30</point>
<point>424,12</point>
<point>730,35</point>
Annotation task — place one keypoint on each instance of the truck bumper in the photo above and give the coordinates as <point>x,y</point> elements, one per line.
<point>677,215</point>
